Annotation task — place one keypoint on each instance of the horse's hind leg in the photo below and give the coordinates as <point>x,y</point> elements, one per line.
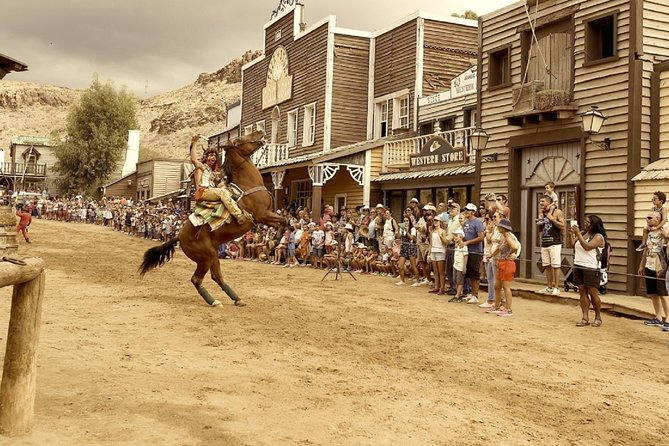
<point>217,276</point>
<point>196,280</point>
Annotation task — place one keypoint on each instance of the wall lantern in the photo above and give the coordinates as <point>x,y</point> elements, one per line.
<point>478,139</point>
<point>592,121</point>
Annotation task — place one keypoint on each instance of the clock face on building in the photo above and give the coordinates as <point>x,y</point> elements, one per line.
<point>278,65</point>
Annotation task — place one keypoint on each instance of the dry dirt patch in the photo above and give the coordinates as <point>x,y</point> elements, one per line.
<point>130,361</point>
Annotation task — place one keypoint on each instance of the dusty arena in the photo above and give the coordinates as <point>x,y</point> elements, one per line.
<point>129,361</point>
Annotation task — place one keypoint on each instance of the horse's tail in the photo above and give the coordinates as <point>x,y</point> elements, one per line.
<point>157,256</point>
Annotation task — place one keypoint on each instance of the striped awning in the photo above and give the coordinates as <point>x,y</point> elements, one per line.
<point>424,174</point>
<point>659,170</point>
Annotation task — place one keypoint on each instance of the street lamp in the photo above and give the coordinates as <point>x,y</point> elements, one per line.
<point>592,121</point>
<point>478,139</point>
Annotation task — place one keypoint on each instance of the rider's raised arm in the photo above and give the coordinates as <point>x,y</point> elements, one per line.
<point>195,159</point>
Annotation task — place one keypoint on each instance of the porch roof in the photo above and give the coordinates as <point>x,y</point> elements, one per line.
<point>658,170</point>
<point>422,174</point>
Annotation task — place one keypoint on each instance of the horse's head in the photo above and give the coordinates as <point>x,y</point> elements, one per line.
<point>247,144</point>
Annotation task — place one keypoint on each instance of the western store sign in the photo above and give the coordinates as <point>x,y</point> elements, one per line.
<point>437,152</point>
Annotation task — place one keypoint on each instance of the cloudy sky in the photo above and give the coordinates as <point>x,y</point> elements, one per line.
<point>151,46</point>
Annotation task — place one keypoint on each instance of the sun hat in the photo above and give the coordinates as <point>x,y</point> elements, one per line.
<point>365,208</point>
<point>459,231</point>
<point>348,226</point>
<point>470,207</point>
<point>429,207</point>
<point>454,205</point>
<point>414,200</point>
<point>506,224</point>
<point>380,206</point>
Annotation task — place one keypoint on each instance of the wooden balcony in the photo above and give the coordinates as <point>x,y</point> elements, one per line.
<point>32,170</point>
<point>396,153</point>
<point>270,155</point>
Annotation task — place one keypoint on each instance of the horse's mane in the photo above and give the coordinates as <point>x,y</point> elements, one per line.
<point>227,169</point>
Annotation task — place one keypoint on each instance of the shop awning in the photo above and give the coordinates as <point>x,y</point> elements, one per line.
<point>658,170</point>
<point>423,174</point>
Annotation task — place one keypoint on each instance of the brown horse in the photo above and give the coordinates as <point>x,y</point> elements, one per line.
<point>201,244</point>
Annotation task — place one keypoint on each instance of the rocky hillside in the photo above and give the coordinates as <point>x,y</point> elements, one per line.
<point>166,121</point>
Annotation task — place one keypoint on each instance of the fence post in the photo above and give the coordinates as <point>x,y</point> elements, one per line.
<point>17,391</point>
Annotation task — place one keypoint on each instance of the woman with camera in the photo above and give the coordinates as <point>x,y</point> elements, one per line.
<point>587,256</point>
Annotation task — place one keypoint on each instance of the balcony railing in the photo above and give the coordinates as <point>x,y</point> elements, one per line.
<point>396,154</point>
<point>270,154</point>
<point>18,169</point>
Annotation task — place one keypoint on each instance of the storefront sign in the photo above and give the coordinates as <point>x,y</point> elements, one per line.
<point>438,152</point>
<point>279,85</point>
<point>464,84</point>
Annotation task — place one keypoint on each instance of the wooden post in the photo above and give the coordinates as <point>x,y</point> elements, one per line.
<point>17,391</point>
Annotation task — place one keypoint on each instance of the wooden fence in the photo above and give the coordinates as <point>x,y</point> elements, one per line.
<point>17,391</point>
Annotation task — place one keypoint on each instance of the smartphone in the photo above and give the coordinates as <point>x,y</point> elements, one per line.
<point>574,223</point>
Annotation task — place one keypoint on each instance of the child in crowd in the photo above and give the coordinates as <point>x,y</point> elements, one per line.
<point>659,199</point>
<point>317,247</point>
<point>290,249</point>
<point>459,264</point>
<point>370,255</point>
<point>280,250</point>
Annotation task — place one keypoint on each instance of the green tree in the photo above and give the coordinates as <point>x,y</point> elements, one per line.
<point>97,136</point>
<point>469,14</point>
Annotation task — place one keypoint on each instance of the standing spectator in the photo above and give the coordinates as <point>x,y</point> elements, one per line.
<point>453,225</point>
<point>659,199</point>
<point>587,263</point>
<point>317,247</point>
<point>490,243</point>
<point>390,229</point>
<point>408,251</point>
<point>459,264</point>
<point>474,231</point>
<point>552,224</point>
<point>423,245</point>
<point>438,243</point>
<point>499,203</point>
<point>506,252</point>
<point>416,210</point>
<point>653,267</point>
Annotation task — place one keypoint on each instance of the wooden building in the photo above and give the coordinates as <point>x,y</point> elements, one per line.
<point>329,98</point>
<point>7,65</point>
<point>30,165</point>
<point>153,179</point>
<point>538,76</point>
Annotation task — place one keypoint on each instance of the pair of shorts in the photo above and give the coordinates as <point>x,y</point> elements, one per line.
<point>654,286</point>
<point>551,256</point>
<point>291,252</point>
<point>438,256</point>
<point>474,265</point>
<point>318,252</point>
<point>423,251</point>
<point>506,270</point>
<point>587,277</point>
<point>459,277</point>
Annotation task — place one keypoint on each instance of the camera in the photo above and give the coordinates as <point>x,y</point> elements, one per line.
<point>490,196</point>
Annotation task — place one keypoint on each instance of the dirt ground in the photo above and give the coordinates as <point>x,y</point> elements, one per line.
<point>128,361</point>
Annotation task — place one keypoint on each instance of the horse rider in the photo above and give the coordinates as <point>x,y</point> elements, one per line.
<point>208,184</point>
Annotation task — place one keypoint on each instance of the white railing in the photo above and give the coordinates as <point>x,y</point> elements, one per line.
<point>396,153</point>
<point>269,155</point>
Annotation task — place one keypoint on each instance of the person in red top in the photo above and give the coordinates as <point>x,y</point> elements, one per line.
<point>24,222</point>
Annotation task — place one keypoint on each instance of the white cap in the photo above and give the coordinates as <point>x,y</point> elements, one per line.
<point>348,226</point>
<point>470,207</point>
<point>380,206</point>
<point>459,231</point>
<point>414,200</point>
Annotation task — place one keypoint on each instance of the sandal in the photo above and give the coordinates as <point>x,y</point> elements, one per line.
<point>597,323</point>
<point>584,323</point>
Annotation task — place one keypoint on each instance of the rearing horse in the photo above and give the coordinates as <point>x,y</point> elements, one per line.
<point>201,244</point>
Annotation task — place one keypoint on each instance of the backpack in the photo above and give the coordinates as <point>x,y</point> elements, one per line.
<point>605,256</point>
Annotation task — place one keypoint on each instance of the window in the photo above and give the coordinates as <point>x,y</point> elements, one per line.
<point>309,132</point>
<point>601,38</point>
<point>401,109</point>
<point>277,35</point>
<point>292,128</point>
<point>302,189</point>
<point>260,126</point>
<point>248,129</point>
<point>499,69</point>
<point>447,124</point>
<point>382,119</point>
<point>469,118</point>
<point>426,128</point>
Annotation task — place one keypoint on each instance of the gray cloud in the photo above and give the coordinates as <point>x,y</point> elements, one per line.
<point>166,43</point>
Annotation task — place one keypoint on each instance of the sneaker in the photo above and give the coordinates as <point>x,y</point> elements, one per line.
<point>505,312</point>
<point>473,300</point>
<point>486,305</point>
<point>654,322</point>
<point>665,327</point>
<point>555,291</point>
<point>545,290</point>
<point>641,247</point>
<point>493,310</point>
<point>400,283</point>
<point>416,284</point>
<point>434,291</point>
<point>454,299</point>
<point>424,282</point>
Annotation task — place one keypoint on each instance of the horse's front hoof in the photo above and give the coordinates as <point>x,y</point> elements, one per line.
<point>240,303</point>
<point>216,303</point>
